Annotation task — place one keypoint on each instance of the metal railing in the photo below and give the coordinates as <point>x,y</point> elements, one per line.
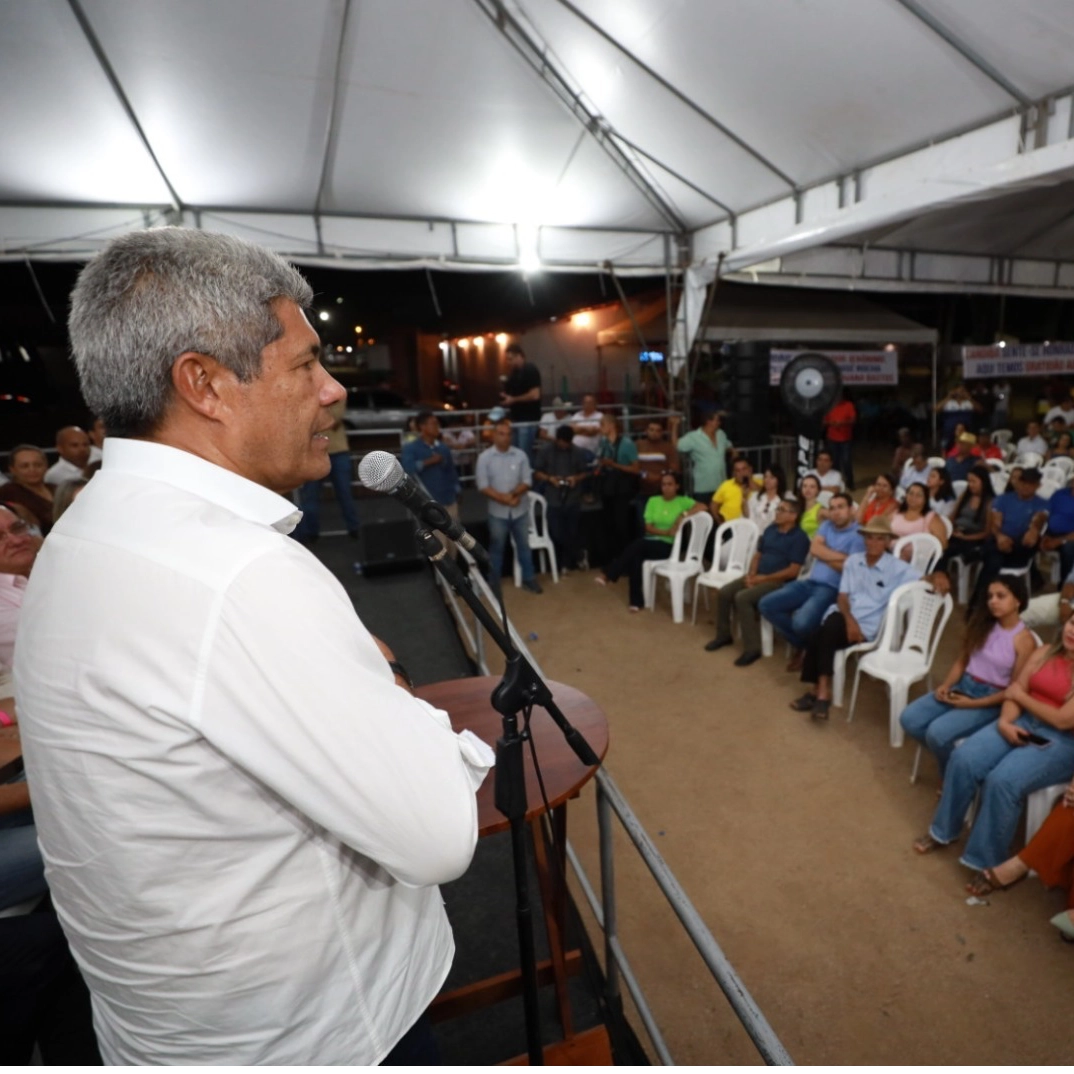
<point>610,801</point>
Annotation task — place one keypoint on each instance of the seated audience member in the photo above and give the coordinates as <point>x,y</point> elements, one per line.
<point>1060,535</point>
<point>18,551</point>
<point>985,448</point>
<point>963,460</point>
<point>729,499</point>
<point>73,446</point>
<point>903,450</point>
<point>617,480</point>
<point>831,480</point>
<point>552,419</point>
<point>779,557</point>
<point>1030,746</point>
<point>919,468</point>
<point>971,518</point>
<point>1051,609</point>
<point>914,516</point>
<point>706,447</point>
<point>1016,520</point>
<point>956,439</point>
<point>994,650</point>
<point>657,454</point>
<point>664,514</point>
<point>586,424</point>
<point>27,465</point>
<point>1032,441</point>
<point>1064,412</point>
<point>868,580</point>
<point>1049,854</point>
<point>796,609</point>
<point>562,467</point>
<point>97,433</point>
<point>1062,446</point>
<point>956,407</point>
<point>941,492</point>
<point>762,505</point>
<point>879,500</point>
<point>504,477</point>
<point>66,494</point>
<point>429,459</point>
<point>813,511</point>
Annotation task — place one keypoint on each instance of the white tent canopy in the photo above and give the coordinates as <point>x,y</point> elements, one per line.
<point>816,141</point>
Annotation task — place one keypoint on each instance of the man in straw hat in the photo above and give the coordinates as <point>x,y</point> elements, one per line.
<point>869,578</point>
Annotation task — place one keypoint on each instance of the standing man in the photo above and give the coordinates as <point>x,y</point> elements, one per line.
<point>656,454</point>
<point>777,561</point>
<point>244,816</point>
<point>504,476</point>
<point>73,445</point>
<point>522,396</point>
<point>429,460</point>
<point>839,432</point>
<point>586,424</point>
<point>706,447</point>
<point>341,475</point>
<point>563,467</point>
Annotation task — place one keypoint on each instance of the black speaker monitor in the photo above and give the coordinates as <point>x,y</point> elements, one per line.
<point>745,394</point>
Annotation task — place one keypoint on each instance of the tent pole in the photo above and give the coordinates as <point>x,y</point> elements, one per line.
<point>934,415</point>
<point>670,397</point>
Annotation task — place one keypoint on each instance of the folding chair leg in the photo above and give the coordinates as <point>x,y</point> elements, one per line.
<point>899,694</point>
<point>917,765</point>
<point>854,693</point>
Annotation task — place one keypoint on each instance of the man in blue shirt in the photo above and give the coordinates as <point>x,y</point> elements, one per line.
<point>778,559</point>
<point>796,609</point>
<point>1016,520</point>
<point>869,578</point>
<point>1060,535</point>
<point>429,459</point>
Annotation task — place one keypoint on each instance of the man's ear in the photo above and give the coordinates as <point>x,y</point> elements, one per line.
<point>202,383</point>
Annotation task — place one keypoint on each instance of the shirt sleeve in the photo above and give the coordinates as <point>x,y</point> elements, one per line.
<point>296,692</point>
<point>801,547</point>
<point>844,576</point>
<point>409,458</point>
<point>481,472</point>
<point>526,473</point>
<point>628,452</point>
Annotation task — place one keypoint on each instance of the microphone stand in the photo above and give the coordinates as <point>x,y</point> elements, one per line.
<point>519,689</point>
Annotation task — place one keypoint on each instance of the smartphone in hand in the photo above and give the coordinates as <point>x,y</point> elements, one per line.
<point>1035,739</point>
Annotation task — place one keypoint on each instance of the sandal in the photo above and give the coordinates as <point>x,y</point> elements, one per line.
<point>820,709</point>
<point>805,703</point>
<point>926,844</point>
<point>986,881</point>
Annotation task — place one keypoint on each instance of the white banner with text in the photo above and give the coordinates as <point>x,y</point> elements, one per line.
<point>856,367</point>
<point>1018,360</point>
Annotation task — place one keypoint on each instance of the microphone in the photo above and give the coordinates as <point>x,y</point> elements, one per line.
<point>381,471</point>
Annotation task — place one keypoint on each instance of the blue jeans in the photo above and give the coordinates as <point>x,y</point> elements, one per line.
<point>1006,774</point>
<point>938,726</point>
<point>22,872</point>
<point>840,451</point>
<point>310,498</point>
<point>499,529</point>
<point>523,437</point>
<point>796,609</point>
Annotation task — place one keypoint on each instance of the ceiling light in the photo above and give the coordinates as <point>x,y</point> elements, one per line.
<point>323,315</point>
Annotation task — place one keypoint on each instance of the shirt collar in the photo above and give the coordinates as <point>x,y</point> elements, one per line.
<point>198,476</point>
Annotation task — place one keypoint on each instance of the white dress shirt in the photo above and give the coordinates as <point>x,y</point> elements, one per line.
<point>243,818</point>
<point>62,470</point>
<point>12,589</point>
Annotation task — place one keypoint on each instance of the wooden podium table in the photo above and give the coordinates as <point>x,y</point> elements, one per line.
<point>467,700</point>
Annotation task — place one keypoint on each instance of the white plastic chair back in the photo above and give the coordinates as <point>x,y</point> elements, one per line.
<point>900,493</point>
<point>1001,438</point>
<point>732,552</point>
<point>1029,458</point>
<point>999,481</point>
<point>959,488</point>
<point>913,625</point>
<point>1063,465</point>
<point>539,541</point>
<point>1049,487</point>
<point>995,464</point>
<point>1039,804</point>
<point>825,497</point>
<point>683,564</point>
<point>937,462</point>
<point>925,550</point>
<point>948,525</point>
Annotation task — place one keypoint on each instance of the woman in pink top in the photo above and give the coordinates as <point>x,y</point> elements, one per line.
<point>913,516</point>
<point>994,650</point>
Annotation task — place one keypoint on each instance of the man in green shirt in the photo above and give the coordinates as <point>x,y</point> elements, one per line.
<point>707,447</point>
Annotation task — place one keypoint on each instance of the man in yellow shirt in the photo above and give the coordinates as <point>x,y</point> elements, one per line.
<point>729,500</point>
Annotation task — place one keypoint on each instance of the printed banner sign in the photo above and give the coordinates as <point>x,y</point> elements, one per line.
<point>857,367</point>
<point>1018,360</point>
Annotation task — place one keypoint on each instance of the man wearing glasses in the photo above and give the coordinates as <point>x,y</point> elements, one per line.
<point>779,557</point>
<point>18,550</point>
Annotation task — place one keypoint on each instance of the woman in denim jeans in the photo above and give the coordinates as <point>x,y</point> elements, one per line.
<point>994,651</point>
<point>1030,746</point>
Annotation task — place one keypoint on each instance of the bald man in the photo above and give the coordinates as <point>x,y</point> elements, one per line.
<point>73,444</point>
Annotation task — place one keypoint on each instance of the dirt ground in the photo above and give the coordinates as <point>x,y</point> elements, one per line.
<point>793,840</point>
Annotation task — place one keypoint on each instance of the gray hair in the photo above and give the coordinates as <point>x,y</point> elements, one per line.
<point>149,296</point>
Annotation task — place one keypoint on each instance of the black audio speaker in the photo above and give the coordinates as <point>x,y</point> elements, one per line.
<point>745,393</point>
<point>390,545</point>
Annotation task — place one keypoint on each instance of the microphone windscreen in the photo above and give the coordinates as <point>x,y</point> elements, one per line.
<point>380,471</point>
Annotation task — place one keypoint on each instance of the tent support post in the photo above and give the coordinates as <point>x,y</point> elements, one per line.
<point>671,393</point>
<point>934,415</point>
<point>610,269</point>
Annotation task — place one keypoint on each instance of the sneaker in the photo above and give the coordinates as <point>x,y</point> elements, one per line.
<point>805,703</point>
<point>533,586</point>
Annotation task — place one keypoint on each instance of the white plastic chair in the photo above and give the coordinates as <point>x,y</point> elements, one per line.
<point>683,564</point>
<point>925,550</point>
<point>733,549</point>
<point>958,487</point>
<point>1021,572</point>
<point>966,577</point>
<point>1002,437</point>
<point>937,462</point>
<point>913,624</point>
<point>948,525</point>
<point>1049,486</point>
<point>1039,804</point>
<point>1029,458</point>
<point>539,541</point>
<point>999,481</point>
<point>1063,467</point>
<point>824,498</point>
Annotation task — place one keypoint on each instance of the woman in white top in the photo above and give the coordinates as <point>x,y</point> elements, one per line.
<point>830,479</point>
<point>942,498</point>
<point>762,504</point>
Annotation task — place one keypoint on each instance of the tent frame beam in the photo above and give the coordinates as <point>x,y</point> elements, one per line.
<point>596,125</point>
<point>331,134</point>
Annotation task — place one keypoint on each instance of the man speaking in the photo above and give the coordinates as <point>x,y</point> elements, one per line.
<point>243,817</point>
